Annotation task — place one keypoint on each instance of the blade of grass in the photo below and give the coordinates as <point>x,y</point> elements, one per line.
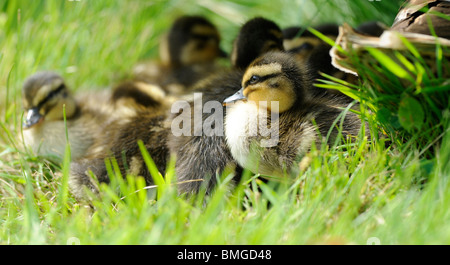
<point>157,178</point>
<point>64,186</point>
<point>387,62</point>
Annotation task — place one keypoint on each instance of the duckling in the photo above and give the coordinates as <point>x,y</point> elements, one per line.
<point>188,53</point>
<point>44,96</point>
<point>202,155</point>
<point>412,19</point>
<point>309,49</point>
<point>301,42</point>
<point>271,144</point>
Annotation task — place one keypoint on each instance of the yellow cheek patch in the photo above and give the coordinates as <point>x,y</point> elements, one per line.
<point>284,94</point>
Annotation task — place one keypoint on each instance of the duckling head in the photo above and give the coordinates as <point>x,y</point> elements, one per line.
<point>191,40</point>
<point>44,95</point>
<point>256,37</point>
<point>273,77</point>
<point>302,43</point>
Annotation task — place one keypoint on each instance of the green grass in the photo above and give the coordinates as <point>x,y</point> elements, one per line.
<point>349,194</point>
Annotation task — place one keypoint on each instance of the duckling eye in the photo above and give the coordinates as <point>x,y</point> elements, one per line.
<point>55,92</point>
<point>200,46</point>
<point>51,94</point>
<point>304,46</point>
<point>254,79</point>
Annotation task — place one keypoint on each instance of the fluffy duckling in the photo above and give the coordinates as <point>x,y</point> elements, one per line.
<point>300,42</point>
<point>188,53</point>
<point>309,49</point>
<point>270,145</point>
<point>203,153</point>
<point>412,19</point>
<point>44,95</point>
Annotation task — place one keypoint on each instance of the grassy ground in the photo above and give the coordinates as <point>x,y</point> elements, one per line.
<point>349,195</point>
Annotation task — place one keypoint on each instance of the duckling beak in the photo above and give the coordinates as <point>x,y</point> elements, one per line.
<point>235,97</point>
<point>33,118</point>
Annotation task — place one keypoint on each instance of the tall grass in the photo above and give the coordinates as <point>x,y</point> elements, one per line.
<point>350,193</point>
<point>408,90</point>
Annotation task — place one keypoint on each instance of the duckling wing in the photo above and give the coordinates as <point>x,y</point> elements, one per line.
<point>151,132</point>
<point>120,143</point>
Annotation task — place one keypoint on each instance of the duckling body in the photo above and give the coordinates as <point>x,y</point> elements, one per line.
<point>276,152</point>
<point>188,53</point>
<point>120,143</point>
<point>45,95</point>
<point>270,145</point>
